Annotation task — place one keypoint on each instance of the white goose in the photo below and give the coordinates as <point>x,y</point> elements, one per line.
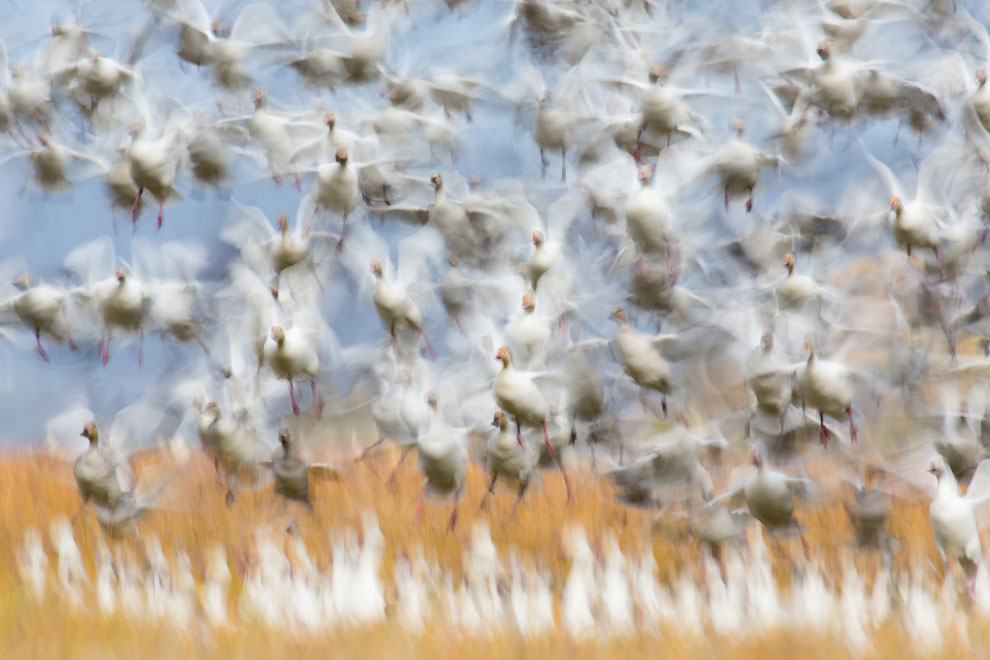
<point>528,337</point>
<point>517,394</point>
<point>738,165</point>
<point>42,308</point>
<point>915,223</point>
<point>153,164</point>
<point>442,460</point>
<point>953,516</point>
<point>336,188</point>
<point>828,387</point>
<point>641,357</point>
<point>648,216</point>
<point>292,353</point>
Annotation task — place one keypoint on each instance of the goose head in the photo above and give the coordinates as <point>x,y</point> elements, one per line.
<point>500,421</point>
<point>809,348</point>
<point>376,269</point>
<point>278,334</point>
<point>766,341</point>
<point>789,263</point>
<point>272,289</point>
<point>431,400</point>
<point>981,77</point>
<point>22,282</point>
<point>895,204</point>
<point>212,409</point>
<point>537,238</point>
<point>645,174</point>
<point>528,304</point>
<point>824,50</point>
<point>618,315</point>
<point>756,457</point>
<point>341,156</point>
<point>91,433</point>
<point>739,126</point>
<point>938,467</point>
<point>658,73</point>
<point>282,223</point>
<point>120,274</point>
<point>285,440</point>
<point>258,98</point>
<point>437,181</point>
<point>503,356</point>
<point>452,260</point>
<point>330,120</point>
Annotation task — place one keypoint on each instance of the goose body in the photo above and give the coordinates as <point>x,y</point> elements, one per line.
<point>291,354</point>
<point>96,474</point>
<point>828,387</point>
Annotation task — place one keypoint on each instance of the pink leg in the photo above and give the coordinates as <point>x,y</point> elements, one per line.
<point>938,260</point>
<point>749,202</point>
<point>295,173</point>
<point>853,433</point>
<point>37,340</point>
<point>309,223</point>
<point>824,431</point>
<point>195,335</point>
<point>637,152</point>
<point>725,197</point>
<point>105,348</point>
<point>419,506</point>
<point>141,351</point>
<point>161,209</point>
<point>292,396</point>
<point>429,346</point>
<point>317,404</point>
<point>72,344</point>
<point>546,438</point>
<point>518,433</point>
<point>453,514</point>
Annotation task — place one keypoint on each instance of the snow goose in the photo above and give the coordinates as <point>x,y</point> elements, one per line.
<point>336,188</point>
<point>277,134</point>
<point>42,308</point>
<point>528,337</point>
<point>517,394</point>
<point>506,459</point>
<point>828,387</point>
<point>642,359</point>
<point>648,216</point>
<point>915,222</point>
<point>231,440</point>
<point>737,164</point>
<point>769,494</point>
<point>97,475</point>
<point>442,460</point>
<point>153,163</point>
<point>953,516</point>
<point>292,353</point>
<point>124,303</point>
<point>547,243</point>
<point>795,291</point>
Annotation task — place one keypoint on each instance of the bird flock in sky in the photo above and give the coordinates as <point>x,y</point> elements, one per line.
<point>659,238</point>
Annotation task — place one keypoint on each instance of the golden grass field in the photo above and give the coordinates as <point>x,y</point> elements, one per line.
<point>34,489</point>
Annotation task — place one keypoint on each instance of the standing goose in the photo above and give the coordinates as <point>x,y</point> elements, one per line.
<point>828,387</point>
<point>648,216</point>
<point>517,394</point>
<point>795,291</point>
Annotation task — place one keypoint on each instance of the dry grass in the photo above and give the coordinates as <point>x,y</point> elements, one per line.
<point>35,489</point>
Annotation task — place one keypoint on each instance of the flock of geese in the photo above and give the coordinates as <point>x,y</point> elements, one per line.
<point>766,238</point>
